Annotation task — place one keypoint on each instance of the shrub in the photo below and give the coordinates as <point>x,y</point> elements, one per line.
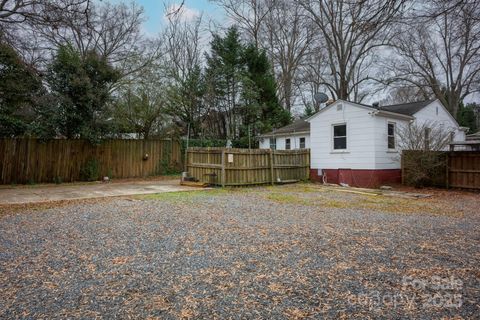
<point>424,168</point>
<point>90,171</point>
<point>58,180</point>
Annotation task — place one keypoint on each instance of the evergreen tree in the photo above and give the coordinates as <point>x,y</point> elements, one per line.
<point>259,72</point>
<point>20,89</point>
<point>308,111</point>
<point>467,116</point>
<point>224,75</point>
<point>262,110</point>
<point>81,86</point>
<point>241,87</point>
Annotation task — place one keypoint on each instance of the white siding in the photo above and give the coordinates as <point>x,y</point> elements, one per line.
<point>429,115</point>
<point>367,138</point>
<point>360,153</point>
<point>386,158</point>
<point>294,141</point>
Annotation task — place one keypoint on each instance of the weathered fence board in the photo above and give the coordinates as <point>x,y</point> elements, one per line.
<point>32,160</point>
<point>234,167</point>
<point>464,169</point>
<point>458,169</point>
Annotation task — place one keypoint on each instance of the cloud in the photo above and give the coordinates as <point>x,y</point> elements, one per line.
<point>186,13</point>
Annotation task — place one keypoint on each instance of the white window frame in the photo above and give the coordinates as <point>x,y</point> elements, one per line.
<point>304,142</point>
<point>394,135</point>
<point>274,144</point>
<point>333,136</point>
<point>289,143</point>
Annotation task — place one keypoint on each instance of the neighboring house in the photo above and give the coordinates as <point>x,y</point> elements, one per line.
<point>471,143</point>
<point>293,136</point>
<point>358,144</point>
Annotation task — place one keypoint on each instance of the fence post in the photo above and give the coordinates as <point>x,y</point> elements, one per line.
<point>447,170</point>
<point>402,167</point>
<point>223,168</point>
<point>271,154</point>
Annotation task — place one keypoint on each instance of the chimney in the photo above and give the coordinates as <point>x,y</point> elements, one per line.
<point>329,102</point>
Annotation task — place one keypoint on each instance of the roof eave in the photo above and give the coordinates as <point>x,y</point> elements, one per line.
<point>273,134</point>
<point>393,115</point>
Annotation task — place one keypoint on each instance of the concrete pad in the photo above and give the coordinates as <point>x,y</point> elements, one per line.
<point>45,193</point>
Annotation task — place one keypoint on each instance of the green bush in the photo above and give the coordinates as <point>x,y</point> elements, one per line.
<point>90,171</point>
<point>167,169</point>
<point>58,180</point>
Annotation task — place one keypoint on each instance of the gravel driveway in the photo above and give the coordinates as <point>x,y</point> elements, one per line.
<point>293,252</point>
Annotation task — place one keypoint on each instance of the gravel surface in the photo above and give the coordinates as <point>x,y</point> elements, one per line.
<point>289,252</point>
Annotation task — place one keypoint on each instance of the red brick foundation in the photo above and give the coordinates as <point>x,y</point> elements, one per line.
<point>363,178</point>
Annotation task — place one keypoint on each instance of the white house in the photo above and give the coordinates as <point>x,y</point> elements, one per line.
<point>358,144</point>
<point>293,136</point>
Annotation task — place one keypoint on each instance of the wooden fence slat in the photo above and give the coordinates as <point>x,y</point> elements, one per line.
<point>238,167</point>
<point>31,160</point>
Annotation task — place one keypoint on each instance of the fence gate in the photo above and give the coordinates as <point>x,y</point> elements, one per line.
<point>236,167</point>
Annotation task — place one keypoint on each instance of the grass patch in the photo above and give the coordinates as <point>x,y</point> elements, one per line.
<point>286,198</point>
<point>320,197</point>
<point>182,196</point>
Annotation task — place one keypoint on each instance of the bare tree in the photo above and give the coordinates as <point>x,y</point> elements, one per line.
<point>39,11</point>
<point>20,21</point>
<point>249,15</point>
<point>288,38</point>
<point>182,45</point>
<point>422,146</point>
<point>427,136</point>
<point>404,94</point>
<point>112,30</point>
<point>140,106</point>
<point>183,57</point>
<point>351,32</point>
<point>440,56</point>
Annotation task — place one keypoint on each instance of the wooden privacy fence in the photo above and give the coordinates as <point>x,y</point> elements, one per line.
<point>31,160</point>
<point>463,169</point>
<point>456,169</point>
<point>236,167</point>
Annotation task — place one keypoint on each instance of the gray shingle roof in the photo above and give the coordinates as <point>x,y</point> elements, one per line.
<point>299,125</point>
<point>408,109</point>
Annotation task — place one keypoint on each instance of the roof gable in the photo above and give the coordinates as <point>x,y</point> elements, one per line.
<point>358,105</point>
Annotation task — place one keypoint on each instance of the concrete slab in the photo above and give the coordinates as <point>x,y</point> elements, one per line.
<point>45,193</point>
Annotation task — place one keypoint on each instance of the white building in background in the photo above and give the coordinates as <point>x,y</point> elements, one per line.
<point>291,137</point>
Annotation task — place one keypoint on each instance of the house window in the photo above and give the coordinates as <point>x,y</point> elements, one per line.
<point>340,136</point>
<point>302,143</point>
<point>273,143</point>
<point>287,144</point>
<point>391,135</point>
